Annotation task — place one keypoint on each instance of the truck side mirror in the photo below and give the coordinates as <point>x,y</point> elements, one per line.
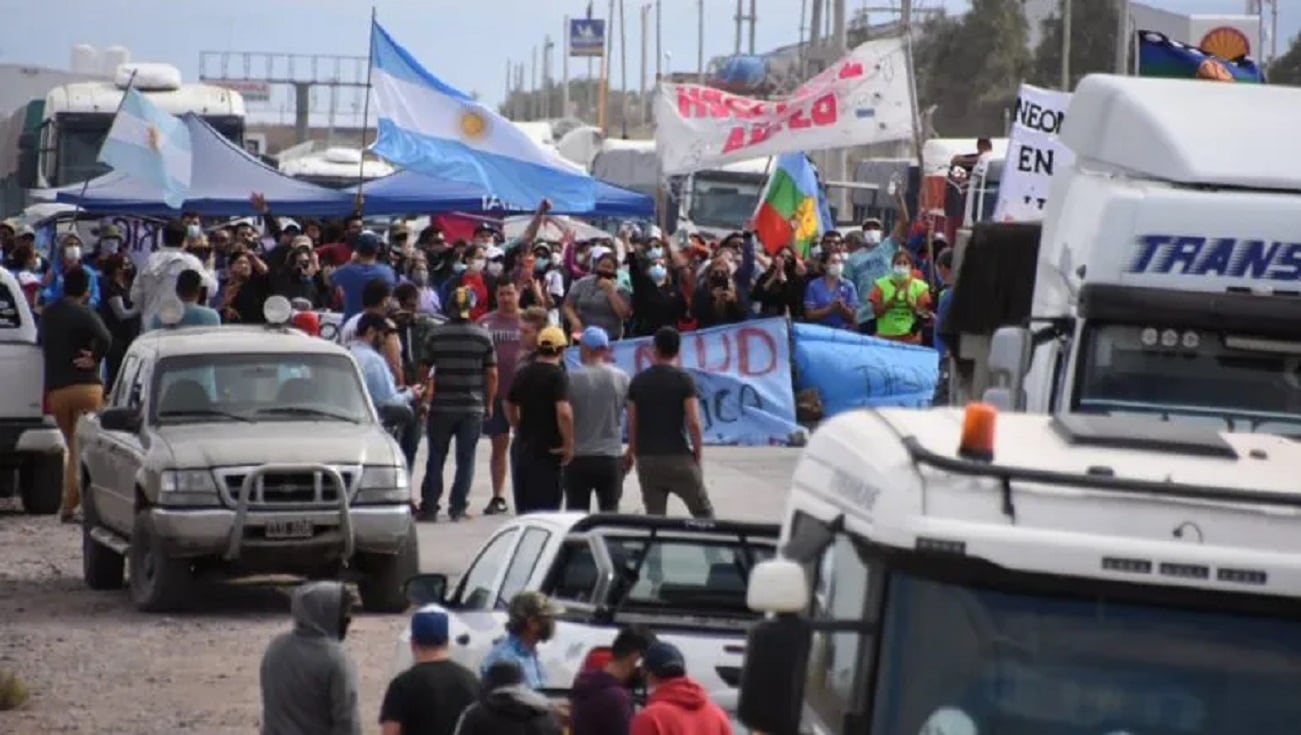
<point>120,419</point>
<point>1009,358</point>
<point>772,677</point>
<point>426,589</point>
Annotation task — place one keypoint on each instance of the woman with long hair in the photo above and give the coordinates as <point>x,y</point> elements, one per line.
<point>120,315</point>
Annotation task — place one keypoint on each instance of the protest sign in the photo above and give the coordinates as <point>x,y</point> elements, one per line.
<point>331,325</point>
<point>1034,153</point>
<point>742,374</point>
<point>864,98</point>
<point>851,370</point>
<point>140,236</point>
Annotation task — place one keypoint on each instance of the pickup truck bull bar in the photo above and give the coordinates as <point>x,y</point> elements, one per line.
<point>327,472</point>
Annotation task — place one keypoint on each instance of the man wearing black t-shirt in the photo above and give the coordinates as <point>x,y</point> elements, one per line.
<point>538,409</point>
<point>662,412</point>
<point>429,697</point>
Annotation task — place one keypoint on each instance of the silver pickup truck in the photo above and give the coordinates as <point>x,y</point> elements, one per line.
<point>237,451</point>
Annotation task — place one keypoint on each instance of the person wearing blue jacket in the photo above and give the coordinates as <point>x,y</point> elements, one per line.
<point>70,254</point>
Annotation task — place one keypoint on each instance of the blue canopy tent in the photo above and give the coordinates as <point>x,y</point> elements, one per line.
<point>224,175</point>
<point>409,192</point>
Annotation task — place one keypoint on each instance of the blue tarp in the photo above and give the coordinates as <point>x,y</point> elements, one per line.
<point>224,177</point>
<point>408,192</point>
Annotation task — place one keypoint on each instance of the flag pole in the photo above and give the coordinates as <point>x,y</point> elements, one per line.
<point>365,114</point>
<point>85,185</point>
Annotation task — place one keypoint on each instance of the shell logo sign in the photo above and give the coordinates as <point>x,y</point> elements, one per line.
<point>1225,42</point>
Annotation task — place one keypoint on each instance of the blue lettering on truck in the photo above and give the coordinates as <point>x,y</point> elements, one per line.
<point>1217,256</point>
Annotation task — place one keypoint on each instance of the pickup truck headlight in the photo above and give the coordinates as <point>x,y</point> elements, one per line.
<point>187,487</point>
<point>384,485</point>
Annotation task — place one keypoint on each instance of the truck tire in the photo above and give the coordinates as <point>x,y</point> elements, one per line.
<point>384,574</point>
<point>102,567</point>
<point>158,583</point>
<point>40,483</point>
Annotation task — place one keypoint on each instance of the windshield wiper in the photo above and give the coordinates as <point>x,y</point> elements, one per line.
<point>305,411</point>
<point>205,412</point>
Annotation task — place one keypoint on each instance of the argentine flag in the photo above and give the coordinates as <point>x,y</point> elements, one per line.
<point>151,146</point>
<point>428,126</point>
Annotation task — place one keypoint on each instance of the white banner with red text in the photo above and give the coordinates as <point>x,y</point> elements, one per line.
<point>864,98</point>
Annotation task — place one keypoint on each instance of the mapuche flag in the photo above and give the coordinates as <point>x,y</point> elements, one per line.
<point>790,214</point>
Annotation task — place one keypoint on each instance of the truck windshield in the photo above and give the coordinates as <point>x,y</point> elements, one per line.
<point>257,387</point>
<point>79,148</point>
<point>1079,665</point>
<point>1226,381</point>
<point>723,203</point>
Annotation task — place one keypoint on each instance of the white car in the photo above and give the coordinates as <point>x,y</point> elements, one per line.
<point>242,451</point>
<point>31,447</point>
<point>682,578</point>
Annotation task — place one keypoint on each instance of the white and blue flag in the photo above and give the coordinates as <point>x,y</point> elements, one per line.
<point>428,126</point>
<point>150,146</point>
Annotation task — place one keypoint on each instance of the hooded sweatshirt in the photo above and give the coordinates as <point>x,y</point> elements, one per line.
<point>155,284</point>
<point>680,706</point>
<point>600,704</point>
<point>511,710</point>
<point>309,685</point>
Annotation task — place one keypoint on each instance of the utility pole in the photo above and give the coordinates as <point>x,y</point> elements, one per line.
<point>509,73</point>
<point>1066,45</point>
<point>533,86</point>
<point>753,18</point>
<point>814,52</point>
<point>840,171</point>
<point>659,41</point>
<point>547,46</point>
<point>700,41</point>
<point>564,72</point>
<point>623,65</point>
<point>738,17</point>
<point>641,87</point>
<point>1123,39</point>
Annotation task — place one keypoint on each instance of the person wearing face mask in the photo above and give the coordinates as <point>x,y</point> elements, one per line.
<point>120,316</point>
<point>657,294</point>
<point>600,702</point>
<point>871,262</point>
<point>307,678</point>
<point>109,243</point>
<point>831,300</point>
<point>473,273</point>
<point>531,620</point>
<point>901,302</point>
<point>69,258</point>
<point>427,296</point>
<point>597,300</point>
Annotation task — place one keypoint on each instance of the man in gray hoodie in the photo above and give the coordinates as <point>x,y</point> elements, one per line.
<point>309,683</point>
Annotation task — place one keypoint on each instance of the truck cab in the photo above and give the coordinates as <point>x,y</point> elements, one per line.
<point>975,573</point>
<point>1168,274</point>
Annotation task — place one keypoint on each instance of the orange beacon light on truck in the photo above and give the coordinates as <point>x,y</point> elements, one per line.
<point>978,422</point>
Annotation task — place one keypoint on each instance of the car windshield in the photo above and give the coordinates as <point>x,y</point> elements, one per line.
<point>1234,383</point>
<point>725,204</point>
<point>707,575</point>
<point>257,387</point>
<point>1018,664</point>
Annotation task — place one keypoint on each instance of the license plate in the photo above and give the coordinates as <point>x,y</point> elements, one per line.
<point>289,529</point>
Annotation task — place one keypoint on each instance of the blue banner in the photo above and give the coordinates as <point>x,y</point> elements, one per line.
<point>850,370</point>
<point>742,374</point>
<point>586,37</point>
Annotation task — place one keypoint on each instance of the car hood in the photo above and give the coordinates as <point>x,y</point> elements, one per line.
<point>281,442</point>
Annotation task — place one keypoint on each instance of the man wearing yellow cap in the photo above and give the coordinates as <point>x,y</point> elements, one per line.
<point>539,411</point>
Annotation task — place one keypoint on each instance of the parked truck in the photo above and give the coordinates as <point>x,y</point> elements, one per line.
<point>1166,279</point>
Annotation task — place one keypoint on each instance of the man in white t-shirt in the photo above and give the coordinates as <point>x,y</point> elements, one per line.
<point>155,284</point>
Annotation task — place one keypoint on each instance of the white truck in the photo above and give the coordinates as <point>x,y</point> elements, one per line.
<point>1167,280</point>
<point>682,578</point>
<point>1076,575</point>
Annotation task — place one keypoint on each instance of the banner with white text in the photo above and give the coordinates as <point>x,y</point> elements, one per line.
<point>1034,153</point>
<point>864,98</point>
<point>742,374</point>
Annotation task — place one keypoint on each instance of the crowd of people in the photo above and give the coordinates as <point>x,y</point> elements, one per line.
<point>309,682</point>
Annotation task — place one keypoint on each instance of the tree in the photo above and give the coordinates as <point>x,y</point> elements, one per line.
<point>1286,69</point>
<point>1093,44</point>
<point>971,67</point>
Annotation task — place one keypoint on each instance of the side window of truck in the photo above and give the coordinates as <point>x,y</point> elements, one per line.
<point>575,573</point>
<point>527,553</point>
<point>839,661</point>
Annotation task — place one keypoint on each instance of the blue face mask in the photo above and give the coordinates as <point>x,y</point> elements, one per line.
<point>540,265</point>
<point>458,267</point>
<point>656,253</point>
<point>658,273</point>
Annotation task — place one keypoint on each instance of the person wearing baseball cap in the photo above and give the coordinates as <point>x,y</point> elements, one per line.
<point>538,409</point>
<point>677,703</point>
<point>431,696</point>
<point>530,620</point>
<point>597,394</point>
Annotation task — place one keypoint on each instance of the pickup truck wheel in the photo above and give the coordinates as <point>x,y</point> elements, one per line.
<point>40,483</point>
<point>101,566</point>
<point>158,582</point>
<point>381,586</point>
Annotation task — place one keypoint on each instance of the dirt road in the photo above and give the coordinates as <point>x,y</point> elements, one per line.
<point>95,665</point>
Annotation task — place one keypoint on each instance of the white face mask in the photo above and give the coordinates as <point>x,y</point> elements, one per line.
<point>495,268</point>
<point>476,264</point>
<point>72,254</point>
<point>872,237</point>
<point>901,271</point>
<point>835,269</point>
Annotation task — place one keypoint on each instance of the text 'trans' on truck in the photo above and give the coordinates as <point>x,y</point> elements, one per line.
<point>1075,575</point>
<point>1167,279</point>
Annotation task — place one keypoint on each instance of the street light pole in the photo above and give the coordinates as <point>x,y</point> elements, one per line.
<point>1066,45</point>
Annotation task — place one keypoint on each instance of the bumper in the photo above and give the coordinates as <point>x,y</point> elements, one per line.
<point>30,436</point>
<point>379,529</point>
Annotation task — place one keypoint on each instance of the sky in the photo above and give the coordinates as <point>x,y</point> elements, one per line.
<point>467,44</point>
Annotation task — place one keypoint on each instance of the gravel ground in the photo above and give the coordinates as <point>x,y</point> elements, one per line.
<point>95,665</point>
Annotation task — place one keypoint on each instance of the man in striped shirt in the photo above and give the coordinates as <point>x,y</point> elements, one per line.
<point>463,386</point>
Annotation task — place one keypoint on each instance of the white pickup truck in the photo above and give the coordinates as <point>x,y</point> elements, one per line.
<point>682,578</point>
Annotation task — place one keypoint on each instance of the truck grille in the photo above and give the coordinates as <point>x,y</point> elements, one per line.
<point>286,488</point>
